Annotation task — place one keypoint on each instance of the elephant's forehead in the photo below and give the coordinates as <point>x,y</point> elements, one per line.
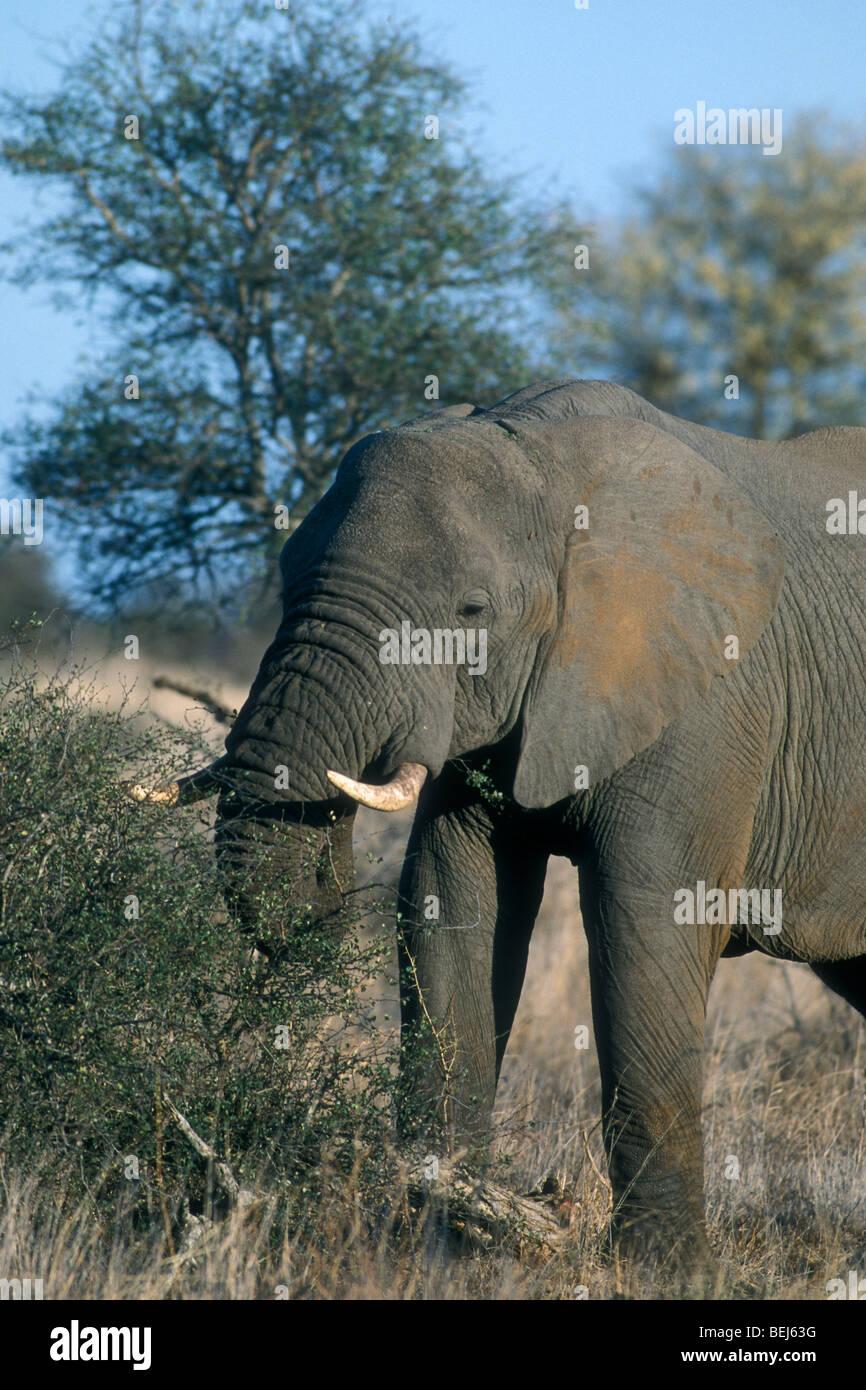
<point>418,458</point>
<point>408,487</point>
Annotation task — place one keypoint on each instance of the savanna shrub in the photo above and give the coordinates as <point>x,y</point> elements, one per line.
<point>127,995</point>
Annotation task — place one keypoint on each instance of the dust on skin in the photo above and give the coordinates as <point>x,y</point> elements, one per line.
<point>633,599</point>
<point>615,594</point>
<point>698,554</point>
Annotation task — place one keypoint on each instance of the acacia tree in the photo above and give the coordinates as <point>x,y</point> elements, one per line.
<point>734,265</point>
<point>286,249</point>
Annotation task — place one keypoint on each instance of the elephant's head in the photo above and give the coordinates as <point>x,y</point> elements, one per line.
<point>572,581</point>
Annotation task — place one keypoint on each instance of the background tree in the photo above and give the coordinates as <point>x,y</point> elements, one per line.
<point>285,260</point>
<point>735,264</point>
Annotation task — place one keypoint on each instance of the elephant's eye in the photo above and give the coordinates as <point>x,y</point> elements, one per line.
<point>473,604</point>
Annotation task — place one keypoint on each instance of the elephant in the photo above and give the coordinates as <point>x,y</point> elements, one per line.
<point>572,624</point>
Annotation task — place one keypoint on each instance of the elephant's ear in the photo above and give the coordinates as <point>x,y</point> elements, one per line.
<point>670,583</point>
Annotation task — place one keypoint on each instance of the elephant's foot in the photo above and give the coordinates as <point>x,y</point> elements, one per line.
<point>660,1257</point>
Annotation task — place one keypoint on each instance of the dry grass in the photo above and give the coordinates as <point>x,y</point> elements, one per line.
<point>785,1104</point>
<point>785,1096</point>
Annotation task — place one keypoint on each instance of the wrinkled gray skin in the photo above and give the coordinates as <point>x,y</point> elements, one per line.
<point>606,648</point>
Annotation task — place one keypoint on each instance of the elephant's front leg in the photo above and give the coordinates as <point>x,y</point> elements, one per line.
<point>649,981</point>
<point>470,891</point>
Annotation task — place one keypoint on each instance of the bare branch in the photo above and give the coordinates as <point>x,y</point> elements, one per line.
<point>215,707</point>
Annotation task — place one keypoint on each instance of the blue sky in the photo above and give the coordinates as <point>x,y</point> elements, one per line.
<point>583,100</point>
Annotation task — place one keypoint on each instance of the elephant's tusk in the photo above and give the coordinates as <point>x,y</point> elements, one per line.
<point>155,796</point>
<point>401,791</point>
<point>183,793</point>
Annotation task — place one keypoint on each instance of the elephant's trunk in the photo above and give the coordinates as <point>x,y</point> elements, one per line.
<point>324,715</point>
<point>282,824</point>
<point>282,865</point>
<point>284,833</point>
